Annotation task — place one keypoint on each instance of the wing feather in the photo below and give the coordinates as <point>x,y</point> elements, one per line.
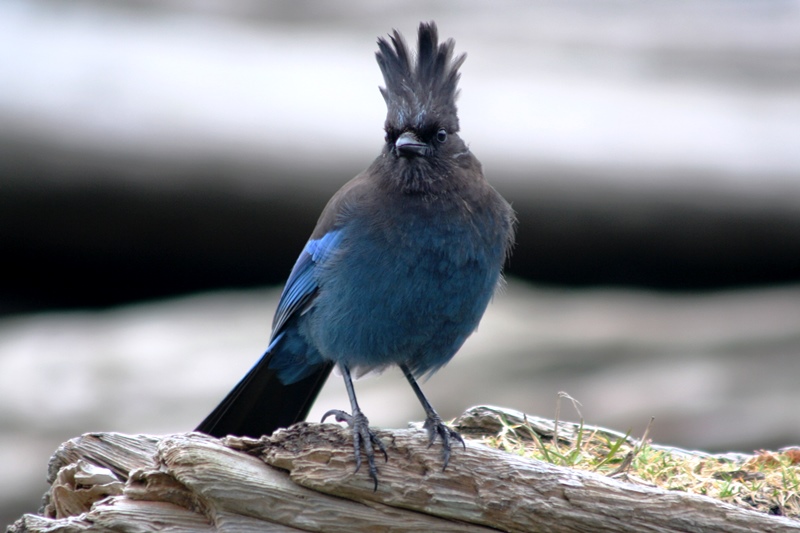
<point>301,288</point>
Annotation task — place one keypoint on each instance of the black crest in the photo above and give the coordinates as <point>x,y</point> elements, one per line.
<point>422,92</point>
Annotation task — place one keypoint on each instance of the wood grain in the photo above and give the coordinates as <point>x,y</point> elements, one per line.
<point>303,479</point>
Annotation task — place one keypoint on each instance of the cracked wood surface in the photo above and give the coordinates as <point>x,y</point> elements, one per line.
<point>303,479</point>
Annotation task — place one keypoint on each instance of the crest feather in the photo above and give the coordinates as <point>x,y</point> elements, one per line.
<point>422,92</point>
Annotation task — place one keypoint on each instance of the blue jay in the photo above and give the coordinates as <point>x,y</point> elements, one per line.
<point>398,271</point>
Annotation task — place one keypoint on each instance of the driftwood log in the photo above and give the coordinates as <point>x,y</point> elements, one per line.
<point>303,479</point>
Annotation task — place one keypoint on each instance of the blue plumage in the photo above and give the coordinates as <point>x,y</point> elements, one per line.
<point>407,283</point>
<point>400,268</point>
<point>303,282</point>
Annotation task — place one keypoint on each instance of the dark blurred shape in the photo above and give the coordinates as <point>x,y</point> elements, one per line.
<point>98,235</point>
<point>94,236</point>
<point>674,240</point>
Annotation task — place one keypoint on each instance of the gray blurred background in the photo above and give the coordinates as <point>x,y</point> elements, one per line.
<point>162,163</point>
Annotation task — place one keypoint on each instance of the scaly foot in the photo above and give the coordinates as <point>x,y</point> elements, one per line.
<point>436,428</point>
<point>364,439</point>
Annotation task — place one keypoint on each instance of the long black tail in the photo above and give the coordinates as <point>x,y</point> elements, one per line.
<point>260,403</point>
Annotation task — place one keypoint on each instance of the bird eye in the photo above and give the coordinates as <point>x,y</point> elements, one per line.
<point>441,135</point>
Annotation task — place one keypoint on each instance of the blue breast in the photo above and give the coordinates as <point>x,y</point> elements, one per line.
<point>407,285</point>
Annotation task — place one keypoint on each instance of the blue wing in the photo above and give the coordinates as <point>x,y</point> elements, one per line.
<point>302,286</point>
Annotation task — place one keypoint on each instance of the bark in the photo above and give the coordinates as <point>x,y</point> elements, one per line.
<point>304,479</point>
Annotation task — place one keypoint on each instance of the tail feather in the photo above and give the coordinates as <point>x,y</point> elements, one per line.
<point>260,403</point>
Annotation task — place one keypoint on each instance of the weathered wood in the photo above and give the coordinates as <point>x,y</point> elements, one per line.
<point>115,451</point>
<point>490,487</point>
<point>245,485</point>
<point>303,479</point>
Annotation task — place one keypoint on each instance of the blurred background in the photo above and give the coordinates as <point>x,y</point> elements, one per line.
<point>162,164</point>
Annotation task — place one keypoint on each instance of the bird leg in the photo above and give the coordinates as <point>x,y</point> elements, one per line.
<point>433,422</point>
<point>364,439</point>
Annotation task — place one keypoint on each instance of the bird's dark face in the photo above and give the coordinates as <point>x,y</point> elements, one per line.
<point>423,156</point>
<point>416,142</point>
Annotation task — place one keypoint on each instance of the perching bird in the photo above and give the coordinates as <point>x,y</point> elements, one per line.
<point>399,269</point>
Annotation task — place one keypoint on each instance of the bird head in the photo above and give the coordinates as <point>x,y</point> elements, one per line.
<point>420,94</point>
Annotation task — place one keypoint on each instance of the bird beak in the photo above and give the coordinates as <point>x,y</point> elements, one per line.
<point>409,145</point>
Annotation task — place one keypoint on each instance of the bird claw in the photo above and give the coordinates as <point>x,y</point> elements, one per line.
<point>364,440</point>
<point>339,416</point>
<point>436,428</point>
